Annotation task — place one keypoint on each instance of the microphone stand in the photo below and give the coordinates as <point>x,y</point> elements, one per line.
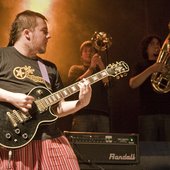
<point>109,97</point>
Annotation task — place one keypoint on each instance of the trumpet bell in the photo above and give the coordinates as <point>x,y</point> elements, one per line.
<point>161,81</point>
<point>101,41</point>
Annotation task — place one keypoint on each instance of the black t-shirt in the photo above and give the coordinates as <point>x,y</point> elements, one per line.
<point>151,101</point>
<point>21,74</point>
<point>99,98</point>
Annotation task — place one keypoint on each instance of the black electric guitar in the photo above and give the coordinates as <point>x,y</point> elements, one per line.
<point>17,129</point>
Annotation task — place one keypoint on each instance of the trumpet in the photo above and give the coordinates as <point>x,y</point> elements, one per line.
<point>101,41</point>
<point>161,81</point>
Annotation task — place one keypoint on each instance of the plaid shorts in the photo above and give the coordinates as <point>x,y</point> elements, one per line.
<point>50,154</point>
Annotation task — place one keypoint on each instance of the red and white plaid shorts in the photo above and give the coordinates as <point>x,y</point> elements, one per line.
<point>50,154</point>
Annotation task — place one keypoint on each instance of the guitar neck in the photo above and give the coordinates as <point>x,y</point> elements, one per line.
<point>72,89</point>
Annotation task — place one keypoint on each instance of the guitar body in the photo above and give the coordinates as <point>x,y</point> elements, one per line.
<point>17,130</point>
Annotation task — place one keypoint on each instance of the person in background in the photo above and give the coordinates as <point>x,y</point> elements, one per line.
<point>95,116</point>
<point>154,118</point>
<point>19,73</point>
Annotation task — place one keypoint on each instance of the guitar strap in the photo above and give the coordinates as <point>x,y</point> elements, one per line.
<point>44,73</point>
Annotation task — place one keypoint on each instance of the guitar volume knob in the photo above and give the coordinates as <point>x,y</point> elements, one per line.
<point>8,135</point>
<point>17,131</point>
<point>25,135</point>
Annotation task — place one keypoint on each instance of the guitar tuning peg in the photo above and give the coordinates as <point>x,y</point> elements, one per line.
<point>125,74</point>
<point>117,77</point>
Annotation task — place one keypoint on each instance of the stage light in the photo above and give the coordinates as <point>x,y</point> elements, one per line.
<point>41,6</point>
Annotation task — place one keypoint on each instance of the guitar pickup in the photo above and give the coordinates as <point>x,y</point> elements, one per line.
<point>41,106</point>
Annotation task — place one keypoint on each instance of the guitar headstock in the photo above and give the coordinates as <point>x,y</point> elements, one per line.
<point>118,69</point>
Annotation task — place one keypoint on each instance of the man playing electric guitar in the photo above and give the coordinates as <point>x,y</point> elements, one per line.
<point>19,73</point>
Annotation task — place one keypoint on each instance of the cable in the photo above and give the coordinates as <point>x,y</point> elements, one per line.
<point>9,159</point>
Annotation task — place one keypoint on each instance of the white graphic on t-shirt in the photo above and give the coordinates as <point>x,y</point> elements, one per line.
<point>26,72</point>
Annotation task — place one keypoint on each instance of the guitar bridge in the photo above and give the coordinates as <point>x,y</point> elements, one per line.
<point>16,117</point>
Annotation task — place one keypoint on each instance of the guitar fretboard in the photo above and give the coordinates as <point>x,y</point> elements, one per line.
<point>54,98</point>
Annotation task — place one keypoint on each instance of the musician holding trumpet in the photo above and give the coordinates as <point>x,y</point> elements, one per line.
<point>154,118</point>
<point>94,117</point>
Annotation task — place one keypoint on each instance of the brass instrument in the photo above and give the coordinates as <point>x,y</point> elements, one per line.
<point>161,81</point>
<point>101,41</point>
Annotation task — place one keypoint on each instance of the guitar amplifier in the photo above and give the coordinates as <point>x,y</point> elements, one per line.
<point>104,148</point>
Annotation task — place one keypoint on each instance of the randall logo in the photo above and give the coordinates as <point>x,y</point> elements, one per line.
<point>126,156</point>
